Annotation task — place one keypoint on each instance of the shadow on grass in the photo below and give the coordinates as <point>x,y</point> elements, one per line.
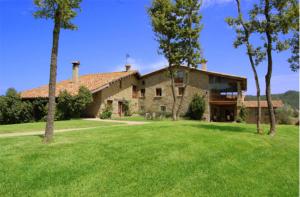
<point>225,128</point>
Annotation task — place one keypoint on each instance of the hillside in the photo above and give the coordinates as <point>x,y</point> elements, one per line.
<point>290,97</point>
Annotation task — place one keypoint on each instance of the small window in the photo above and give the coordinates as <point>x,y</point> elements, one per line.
<point>109,103</point>
<point>143,82</point>
<point>143,92</point>
<point>179,76</point>
<point>180,91</point>
<point>120,85</point>
<point>163,108</point>
<point>158,92</point>
<point>142,108</point>
<point>134,92</point>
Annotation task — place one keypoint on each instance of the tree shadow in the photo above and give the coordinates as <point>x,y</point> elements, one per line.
<point>225,128</point>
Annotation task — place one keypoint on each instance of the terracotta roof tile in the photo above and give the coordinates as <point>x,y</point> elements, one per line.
<point>263,104</point>
<point>92,81</point>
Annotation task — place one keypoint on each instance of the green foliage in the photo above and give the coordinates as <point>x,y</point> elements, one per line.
<point>189,27</point>
<point>196,108</point>
<point>284,114</point>
<point>242,115</point>
<point>69,106</point>
<point>49,9</point>
<point>81,100</point>
<point>106,112</point>
<point>165,25</point>
<point>64,106</point>
<point>13,109</point>
<point>127,108</point>
<point>39,109</point>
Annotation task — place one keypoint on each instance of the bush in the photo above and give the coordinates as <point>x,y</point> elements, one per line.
<point>284,114</point>
<point>81,100</point>
<point>127,108</point>
<point>39,109</point>
<point>13,109</point>
<point>242,115</point>
<point>64,107</point>
<point>69,106</point>
<point>196,108</point>
<point>106,113</point>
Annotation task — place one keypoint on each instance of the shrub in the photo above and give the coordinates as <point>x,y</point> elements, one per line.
<point>81,100</point>
<point>196,108</point>
<point>69,106</point>
<point>127,108</point>
<point>39,109</point>
<point>284,114</point>
<point>241,117</point>
<point>106,112</point>
<point>64,106</point>
<point>13,109</point>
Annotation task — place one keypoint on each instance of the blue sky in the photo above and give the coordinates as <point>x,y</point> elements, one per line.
<point>108,29</point>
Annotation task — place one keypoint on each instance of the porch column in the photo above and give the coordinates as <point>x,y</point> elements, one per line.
<point>239,102</point>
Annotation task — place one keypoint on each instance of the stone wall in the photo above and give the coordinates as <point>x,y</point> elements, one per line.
<point>198,84</point>
<point>119,90</point>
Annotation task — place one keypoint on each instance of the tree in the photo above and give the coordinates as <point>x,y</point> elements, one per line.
<point>13,109</point>
<point>62,12</point>
<point>165,25</point>
<point>244,30</point>
<point>269,18</point>
<point>189,17</point>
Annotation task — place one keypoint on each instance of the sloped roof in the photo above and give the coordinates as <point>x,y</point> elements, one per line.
<point>229,76</point>
<point>263,104</point>
<point>94,82</point>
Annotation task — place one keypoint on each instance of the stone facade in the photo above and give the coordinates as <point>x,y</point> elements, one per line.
<point>115,94</point>
<point>198,84</point>
<point>152,93</point>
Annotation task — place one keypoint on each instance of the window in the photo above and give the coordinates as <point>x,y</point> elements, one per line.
<point>143,82</point>
<point>120,85</point>
<point>134,92</point>
<point>180,91</point>
<point>109,103</point>
<point>142,108</point>
<point>179,76</point>
<point>163,108</point>
<point>143,92</point>
<point>158,92</point>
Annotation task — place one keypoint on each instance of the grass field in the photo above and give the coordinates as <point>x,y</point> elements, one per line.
<point>184,158</point>
<point>39,126</point>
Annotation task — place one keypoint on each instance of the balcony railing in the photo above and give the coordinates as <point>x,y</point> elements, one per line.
<point>223,97</point>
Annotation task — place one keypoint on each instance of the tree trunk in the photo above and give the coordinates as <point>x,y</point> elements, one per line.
<point>174,117</point>
<point>52,81</point>
<point>250,55</point>
<point>269,72</point>
<point>182,96</point>
<point>258,112</point>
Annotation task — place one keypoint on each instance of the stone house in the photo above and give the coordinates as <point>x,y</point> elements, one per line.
<point>223,93</point>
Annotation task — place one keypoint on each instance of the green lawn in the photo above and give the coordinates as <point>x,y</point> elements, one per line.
<point>39,126</point>
<point>184,158</point>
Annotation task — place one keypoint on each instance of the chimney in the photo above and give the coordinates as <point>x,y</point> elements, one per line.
<point>75,75</point>
<point>127,67</point>
<point>203,65</point>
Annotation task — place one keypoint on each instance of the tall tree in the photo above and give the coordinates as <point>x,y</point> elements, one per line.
<point>269,19</point>
<point>62,12</point>
<point>244,30</point>
<point>189,17</point>
<point>165,25</point>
